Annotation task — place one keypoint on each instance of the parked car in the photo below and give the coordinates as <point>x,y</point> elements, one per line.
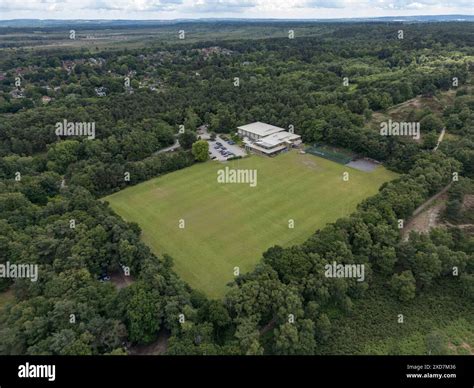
<point>104,278</point>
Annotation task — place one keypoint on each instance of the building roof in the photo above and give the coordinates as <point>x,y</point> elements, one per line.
<point>260,129</point>
<point>278,138</point>
<point>265,150</point>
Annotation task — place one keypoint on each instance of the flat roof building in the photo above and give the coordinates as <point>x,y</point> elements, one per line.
<point>258,130</point>
<point>267,139</point>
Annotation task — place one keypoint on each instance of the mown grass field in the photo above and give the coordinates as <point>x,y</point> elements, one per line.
<point>231,225</point>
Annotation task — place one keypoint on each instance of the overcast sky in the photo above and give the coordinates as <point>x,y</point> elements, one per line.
<point>172,9</point>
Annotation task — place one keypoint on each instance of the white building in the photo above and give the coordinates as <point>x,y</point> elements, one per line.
<point>267,139</point>
<point>257,130</point>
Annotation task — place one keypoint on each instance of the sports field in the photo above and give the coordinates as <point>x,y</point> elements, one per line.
<point>229,225</point>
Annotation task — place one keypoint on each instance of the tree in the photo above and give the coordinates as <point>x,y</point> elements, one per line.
<point>200,150</point>
<point>431,123</point>
<point>323,328</point>
<point>404,285</point>
<point>291,263</point>
<point>62,154</point>
<point>143,313</point>
<point>436,343</point>
<point>186,139</point>
<point>218,314</point>
<point>426,266</point>
<point>292,338</point>
<point>430,140</point>
<point>467,282</point>
<point>191,119</point>
<point>386,259</point>
<point>248,336</point>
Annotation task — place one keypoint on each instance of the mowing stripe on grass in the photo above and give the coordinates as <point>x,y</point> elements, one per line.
<point>231,225</point>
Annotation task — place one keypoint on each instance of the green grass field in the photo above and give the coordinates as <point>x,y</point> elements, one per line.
<point>231,225</point>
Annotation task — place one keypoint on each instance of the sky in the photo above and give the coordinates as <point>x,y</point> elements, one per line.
<point>174,9</point>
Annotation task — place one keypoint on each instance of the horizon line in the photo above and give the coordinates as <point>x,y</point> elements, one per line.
<point>243,18</point>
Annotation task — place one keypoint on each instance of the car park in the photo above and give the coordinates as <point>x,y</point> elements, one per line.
<point>223,148</point>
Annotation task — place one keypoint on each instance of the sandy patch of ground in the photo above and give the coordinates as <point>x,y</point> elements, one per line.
<point>468,202</point>
<point>426,220</point>
<point>428,215</point>
<point>464,345</point>
<point>156,348</point>
<point>120,280</point>
<point>268,327</point>
<point>413,103</point>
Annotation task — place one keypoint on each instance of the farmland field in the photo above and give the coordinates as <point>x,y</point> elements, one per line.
<point>231,225</point>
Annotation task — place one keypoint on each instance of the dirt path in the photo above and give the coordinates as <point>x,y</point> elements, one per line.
<point>461,226</point>
<point>429,201</point>
<point>156,348</point>
<point>120,280</point>
<point>426,216</point>
<point>426,220</point>
<point>413,103</point>
<point>440,139</point>
<point>171,148</point>
<point>269,326</point>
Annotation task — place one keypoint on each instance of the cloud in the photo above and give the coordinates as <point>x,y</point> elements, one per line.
<point>134,5</point>
<point>420,4</point>
<point>30,5</point>
<point>124,6</point>
<point>222,5</point>
<point>324,4</point>
<point>161,9</point>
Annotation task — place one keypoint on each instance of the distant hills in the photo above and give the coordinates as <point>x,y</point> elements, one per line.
<point>101,23</point>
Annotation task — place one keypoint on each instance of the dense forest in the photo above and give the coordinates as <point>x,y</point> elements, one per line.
<point>328,87</point>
